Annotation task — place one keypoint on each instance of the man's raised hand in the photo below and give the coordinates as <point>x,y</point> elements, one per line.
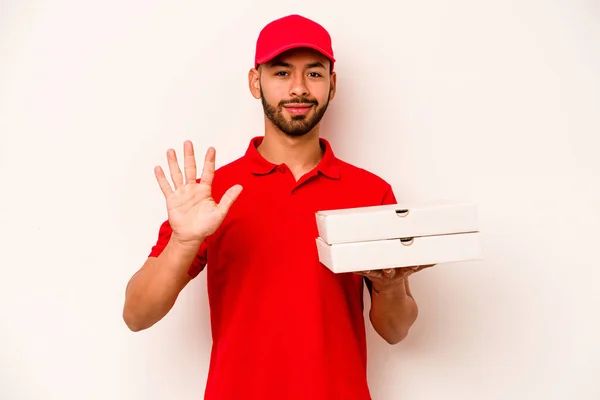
<point>193,213</point>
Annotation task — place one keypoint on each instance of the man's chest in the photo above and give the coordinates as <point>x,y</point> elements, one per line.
<point>269,235</point>
<point>280,212</point>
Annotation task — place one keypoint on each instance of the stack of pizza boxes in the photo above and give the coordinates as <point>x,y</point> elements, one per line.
<point>391,236</point>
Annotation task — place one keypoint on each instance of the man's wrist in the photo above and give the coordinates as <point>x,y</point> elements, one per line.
<point>181,246</point>
<point>179,254</point>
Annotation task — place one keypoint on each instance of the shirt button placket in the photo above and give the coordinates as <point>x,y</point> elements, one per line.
<point>285,190</point>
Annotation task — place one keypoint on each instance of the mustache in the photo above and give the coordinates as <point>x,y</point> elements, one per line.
<point>298,100</point>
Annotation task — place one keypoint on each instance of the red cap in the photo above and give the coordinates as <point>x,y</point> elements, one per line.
<point>292,32</point>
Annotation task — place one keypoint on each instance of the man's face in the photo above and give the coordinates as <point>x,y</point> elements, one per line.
<point>295,90</point>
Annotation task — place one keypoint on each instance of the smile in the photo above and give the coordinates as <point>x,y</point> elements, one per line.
<point>298,109</point>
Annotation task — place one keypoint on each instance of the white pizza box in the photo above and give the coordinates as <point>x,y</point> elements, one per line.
<point>396,221</point>
<point>406,252</point>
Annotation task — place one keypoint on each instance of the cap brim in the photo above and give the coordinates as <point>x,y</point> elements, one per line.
<point>282,49</point>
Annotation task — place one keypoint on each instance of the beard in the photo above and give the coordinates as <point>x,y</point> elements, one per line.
<point>299,125</point>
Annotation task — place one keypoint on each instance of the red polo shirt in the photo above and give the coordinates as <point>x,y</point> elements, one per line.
<point>283,325</point>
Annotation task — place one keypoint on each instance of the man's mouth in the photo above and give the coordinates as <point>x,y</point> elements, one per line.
<point>298,108</point>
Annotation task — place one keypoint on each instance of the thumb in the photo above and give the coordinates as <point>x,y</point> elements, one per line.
<point>229,198</point>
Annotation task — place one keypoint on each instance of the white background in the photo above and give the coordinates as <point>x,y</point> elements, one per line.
<point>494,102</point>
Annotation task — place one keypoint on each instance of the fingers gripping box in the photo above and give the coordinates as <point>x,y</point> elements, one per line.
<point>389,236</point>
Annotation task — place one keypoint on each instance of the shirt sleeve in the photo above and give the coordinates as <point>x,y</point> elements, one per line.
<point>164,235</point>
<point>389,197</point>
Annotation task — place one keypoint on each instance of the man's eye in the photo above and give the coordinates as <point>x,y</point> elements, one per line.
<point>314,74</point>
<point>281,73</point>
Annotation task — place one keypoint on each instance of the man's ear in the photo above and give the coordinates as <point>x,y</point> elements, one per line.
<point>332,85</point>
<point>254,82</point>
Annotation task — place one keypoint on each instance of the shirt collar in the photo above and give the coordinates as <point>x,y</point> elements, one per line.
<point>328,165</point>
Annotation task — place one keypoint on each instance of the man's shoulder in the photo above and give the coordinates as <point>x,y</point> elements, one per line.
<point>232,167</point>
<point>361,174</point>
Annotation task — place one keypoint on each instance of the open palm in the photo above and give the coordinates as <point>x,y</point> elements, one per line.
<point>193,213</point>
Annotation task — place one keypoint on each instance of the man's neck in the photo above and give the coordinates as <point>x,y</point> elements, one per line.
<point>301,154</point>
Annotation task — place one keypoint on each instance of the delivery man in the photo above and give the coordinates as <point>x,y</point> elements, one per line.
<point>284,327</point>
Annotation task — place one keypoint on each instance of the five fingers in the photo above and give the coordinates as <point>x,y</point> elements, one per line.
<point>189,160</point>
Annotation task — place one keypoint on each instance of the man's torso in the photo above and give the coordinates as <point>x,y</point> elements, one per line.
<point>284,326</point>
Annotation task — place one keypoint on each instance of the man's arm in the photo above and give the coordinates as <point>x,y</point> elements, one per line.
<point>153,290</point>
<point>393,308</point>
<point>193,215</point>
<point>393,311</point>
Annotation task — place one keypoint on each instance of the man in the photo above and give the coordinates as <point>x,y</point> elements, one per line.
<point>283,325</point>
